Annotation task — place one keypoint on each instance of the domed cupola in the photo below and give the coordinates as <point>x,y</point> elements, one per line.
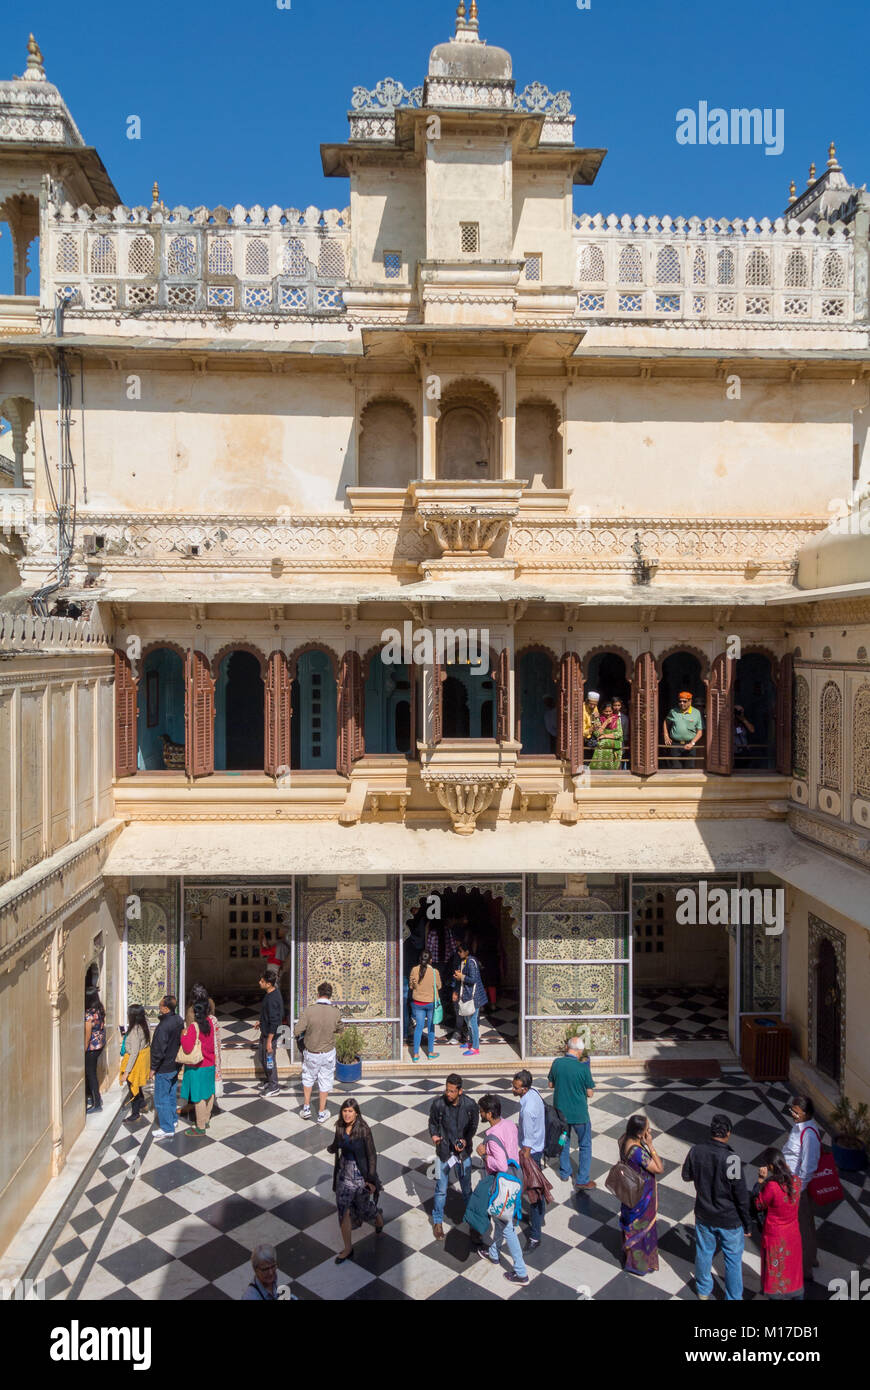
<point>466,71</point>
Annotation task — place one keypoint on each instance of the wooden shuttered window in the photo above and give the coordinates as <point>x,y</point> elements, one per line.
<point>277,715</point>
<point>720,716</point>
<point>351,728</point>
<point>645,716</point>
<point>438,675</point>
<point>126,708</point>
<point>784,698</point>
<point>198,716</point>
<point>570,748</point>
<point>501,675</point>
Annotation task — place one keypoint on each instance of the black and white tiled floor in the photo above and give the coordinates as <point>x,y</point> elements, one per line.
<point>239,1026</point>
<point>239,1023</point>
<point>499,1023</point>
<point>178,1220</point>
<point>686,1015</point>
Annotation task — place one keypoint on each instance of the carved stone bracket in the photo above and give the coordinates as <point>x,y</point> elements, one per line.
<point>465,519</point>
<point>461,533</point>
<point>466,795</point>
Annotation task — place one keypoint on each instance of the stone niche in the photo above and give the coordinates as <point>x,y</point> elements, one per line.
<point>388,444</point>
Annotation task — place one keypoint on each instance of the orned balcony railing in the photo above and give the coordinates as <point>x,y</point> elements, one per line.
<point>239,260</point>
<point>699,270</point>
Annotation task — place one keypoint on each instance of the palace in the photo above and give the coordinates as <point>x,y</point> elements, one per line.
<point>244,443</point>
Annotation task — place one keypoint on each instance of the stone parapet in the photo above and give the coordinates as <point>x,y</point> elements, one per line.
<point>244,261</point>
<point>716,271</point>
<point>729,549</point>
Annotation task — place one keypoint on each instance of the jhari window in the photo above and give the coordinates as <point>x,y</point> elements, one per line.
<point>469,238</point>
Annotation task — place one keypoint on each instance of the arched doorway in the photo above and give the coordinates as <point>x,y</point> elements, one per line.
<point>468,701</point>
<point>755,695</point>
<point>313,724</point>
<point>439,915</point>
<point>160,724</point>
<point>828,1022</point>
<point>606,673</point>
<point>538,702</point>
<point>681,670</point>
<point>239,744</point>
<point>388,695</point>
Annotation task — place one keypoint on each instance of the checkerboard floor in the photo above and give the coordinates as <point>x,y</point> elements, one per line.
<point>240,1029</point>
<point>239,1024</point>
<point>686,1015</point>
<point>177,1220</point>
<point>499,1024</point>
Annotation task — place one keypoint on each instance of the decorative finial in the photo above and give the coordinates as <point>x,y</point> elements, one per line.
<point>460,13</point>
<point>472,13</point>
<point>812,177</point>
<point>155,194</point>
<point>833,162</point>
<point>792,192</point>
<point>35,72</point>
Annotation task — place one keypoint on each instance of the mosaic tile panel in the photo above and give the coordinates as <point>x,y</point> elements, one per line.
<point>801,727</point>
<point>353,945</point>
<point>381,1041</point>
<point>569,990</point>
<point>761,970</point>
<point>152,949</point>
<point>830,724</point>
<point>540,896</point>
<point>861,741</point>
<point>575,930</point>
<point>608,1037</point>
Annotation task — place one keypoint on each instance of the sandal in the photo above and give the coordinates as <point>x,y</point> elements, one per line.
<point>431,1056</point>
<point>196,1133</point>
<point>415,1056</point>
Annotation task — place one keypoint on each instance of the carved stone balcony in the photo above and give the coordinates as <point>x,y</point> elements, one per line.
<point>467,775</point>
<point>466,795</point>
<point>466,521</point>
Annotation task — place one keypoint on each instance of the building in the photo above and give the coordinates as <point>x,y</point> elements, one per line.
<point>332,520</point>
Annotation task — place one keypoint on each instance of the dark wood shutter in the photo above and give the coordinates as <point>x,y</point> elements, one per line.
<point>350,720</point>
<point>645,717</point>
<point>502,677</point>
<point>570,748</point>
<point>359,708</point>
<point>784,698</point>
<point>277,714</point>
<point>438,674</point>
<point>126,732</point>
<point>198,716</point>
<point>720,716</point>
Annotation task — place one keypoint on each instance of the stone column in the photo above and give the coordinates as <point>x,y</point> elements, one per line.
<point>431,393</point>
<point>427,676</point>
<point>19,412</point>
<point>21,213</point>
<point>53,958</point>
<point>509,423</point>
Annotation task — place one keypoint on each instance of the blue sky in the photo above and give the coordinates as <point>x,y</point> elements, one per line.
<point>235,98</point>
